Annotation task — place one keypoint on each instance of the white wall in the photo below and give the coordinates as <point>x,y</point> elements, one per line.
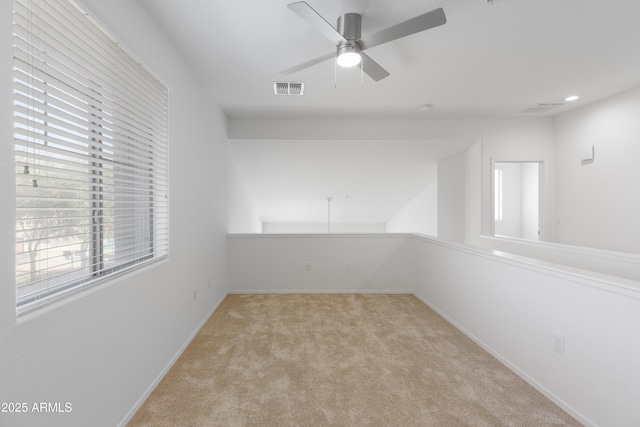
<point>243,216</point>
<point>339,263</point>
<point>439,209</point>
<point>284,228</point>
<point>420,215</point>
<point>452,175</point>
<point>598,261</point>
<point>597,202</point>
<point>514,307</point>
<point>530,200</point>
<point>473,193</point>
<point>527,137</point>
<point>101,350</point>
<point>511,223</point>
<point>520,200</point>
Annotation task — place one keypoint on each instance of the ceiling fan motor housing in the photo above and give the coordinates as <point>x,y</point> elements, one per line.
<point>350,26</point>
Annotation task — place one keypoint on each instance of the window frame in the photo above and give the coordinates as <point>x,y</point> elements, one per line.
<point>135,164</point>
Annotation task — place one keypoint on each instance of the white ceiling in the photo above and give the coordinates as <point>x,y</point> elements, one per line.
<point>489,59</point>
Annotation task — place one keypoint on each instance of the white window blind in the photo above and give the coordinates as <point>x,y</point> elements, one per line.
<point>90,154</point>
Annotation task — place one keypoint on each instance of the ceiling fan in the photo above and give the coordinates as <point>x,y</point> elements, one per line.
<point>349,42</point>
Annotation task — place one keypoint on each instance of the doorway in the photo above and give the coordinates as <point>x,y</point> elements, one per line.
<point>516,199</point>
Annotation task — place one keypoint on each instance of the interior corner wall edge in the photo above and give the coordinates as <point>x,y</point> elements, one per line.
<point>100,349</point>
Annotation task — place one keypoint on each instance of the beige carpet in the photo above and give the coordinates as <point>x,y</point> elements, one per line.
<point>339,360</point>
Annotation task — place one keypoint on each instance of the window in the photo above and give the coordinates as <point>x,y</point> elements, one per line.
<point>90,154</point>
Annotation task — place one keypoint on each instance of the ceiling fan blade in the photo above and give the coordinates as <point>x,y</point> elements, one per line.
<point>423,22</point>
<point>306,12</point>
<point>308,64</point>
<point>372,68</point>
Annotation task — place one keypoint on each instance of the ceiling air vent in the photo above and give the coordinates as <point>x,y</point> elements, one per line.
<point>288,88</point>
<point>542,107</point>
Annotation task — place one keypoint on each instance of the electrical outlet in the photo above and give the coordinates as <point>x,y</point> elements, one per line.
<point>307,266</point>
<point>558,343</point>
<point>347,266</point>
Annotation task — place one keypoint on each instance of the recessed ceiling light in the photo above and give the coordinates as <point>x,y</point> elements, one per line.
<point>425,107</point>
<point>571,98</point>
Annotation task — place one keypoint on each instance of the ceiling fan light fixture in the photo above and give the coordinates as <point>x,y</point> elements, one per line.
<point>348,56</point>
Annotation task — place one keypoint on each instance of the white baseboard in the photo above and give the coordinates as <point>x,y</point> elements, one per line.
<point>545,391</point>
<point>320,291</point>
<point>173,360</point>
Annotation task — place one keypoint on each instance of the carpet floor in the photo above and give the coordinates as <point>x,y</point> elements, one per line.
<point>339,360</point>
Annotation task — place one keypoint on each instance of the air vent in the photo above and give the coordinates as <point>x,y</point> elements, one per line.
<point>542,107</point>
<point>288,88</point>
